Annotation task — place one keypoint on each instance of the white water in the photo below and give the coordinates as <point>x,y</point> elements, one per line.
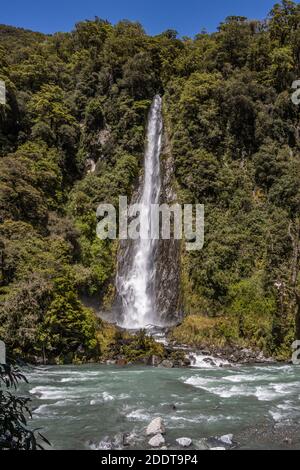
<point>207,362</point>
<point>137,287</point>
<point>92,406</point>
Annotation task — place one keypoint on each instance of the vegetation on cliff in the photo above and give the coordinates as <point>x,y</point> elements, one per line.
<point>234,132</point>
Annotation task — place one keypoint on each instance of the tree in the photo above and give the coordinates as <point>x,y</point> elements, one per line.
<point>284,18</point>
<point>230,127</point>
<point>49,106</point>
<point>234,40</point>
<point>14,413</point>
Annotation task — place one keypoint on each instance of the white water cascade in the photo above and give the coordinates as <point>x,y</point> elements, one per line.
<point>136,286</point>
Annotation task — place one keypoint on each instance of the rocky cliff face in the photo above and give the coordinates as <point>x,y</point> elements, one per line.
<point>168,256</point>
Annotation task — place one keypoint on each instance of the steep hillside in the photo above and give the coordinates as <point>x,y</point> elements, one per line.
<point>83,97</point>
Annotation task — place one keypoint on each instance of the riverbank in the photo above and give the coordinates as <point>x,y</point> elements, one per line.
<point>156,348</point>
<point>173,354</point>
<point>181,356</point>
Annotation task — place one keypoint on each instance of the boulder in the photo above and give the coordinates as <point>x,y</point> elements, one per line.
<point>121,362</point>
<point>184,442</point>
<point>227,439</point>
<point>167,364</point>
<point>157,441</point>
<point>156,427</point>
<point>154,361</point>
<point>209,360</point>
<point>187,362</point>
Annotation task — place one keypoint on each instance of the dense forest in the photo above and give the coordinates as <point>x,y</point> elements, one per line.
<point>234,136</point>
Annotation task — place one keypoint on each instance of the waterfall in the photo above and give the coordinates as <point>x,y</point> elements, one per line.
<point>136,279</point>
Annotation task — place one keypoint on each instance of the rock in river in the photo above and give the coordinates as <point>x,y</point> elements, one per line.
<point>227,439</point>
<point>184,442</point>
<point>157,441</point>
<point>156,427</point>
<point>166,364</point>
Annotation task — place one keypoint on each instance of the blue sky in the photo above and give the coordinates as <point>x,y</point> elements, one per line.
<point>188,17</point>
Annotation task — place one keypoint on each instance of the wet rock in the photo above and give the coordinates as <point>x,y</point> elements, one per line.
<point>121,362</point>
<point>209,360</point>
<point>157,441</point>
<point>117,442</point>
<point>193,359</point>
<point>167,364</point>
<point>156,427</point>
<point>201,445</point>
<point>184,442</point>
<point>235,355</point>
<point>227,366</point>
<point>228,439</point>
<point>105,444</point>
<point>129,439</point>
<point>154,361</point>
<point>247,353</point>
<point>187,362</point>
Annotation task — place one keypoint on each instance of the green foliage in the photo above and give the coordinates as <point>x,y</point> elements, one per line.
<point>141,347</point>
<point>94,119</point>
<point>68,329</point>
<point>14,414</point>
<point>254,311</point>
<point>234,135</point>
<point>235,144</point>
<point>201,332</point>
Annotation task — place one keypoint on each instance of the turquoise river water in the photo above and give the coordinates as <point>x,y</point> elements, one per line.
<point>91,407</point>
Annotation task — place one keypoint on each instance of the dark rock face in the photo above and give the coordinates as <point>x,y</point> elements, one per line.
<point>168,256</point>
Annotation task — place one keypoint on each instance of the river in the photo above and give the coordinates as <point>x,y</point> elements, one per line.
<point>91,407</point>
